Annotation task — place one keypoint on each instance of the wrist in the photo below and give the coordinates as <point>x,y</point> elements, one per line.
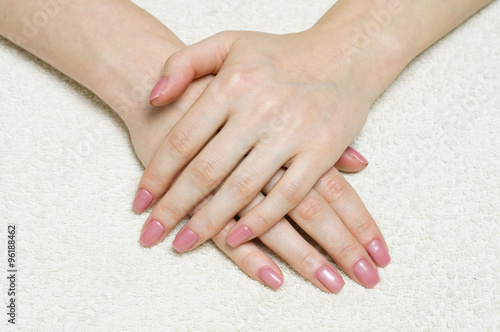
<point>362,39</point>
<point>126,74</point>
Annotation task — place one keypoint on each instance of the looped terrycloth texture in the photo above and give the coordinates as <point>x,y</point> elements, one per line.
<point>68,176</point>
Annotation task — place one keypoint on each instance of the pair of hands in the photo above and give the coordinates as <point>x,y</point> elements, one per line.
<point>272,120</point>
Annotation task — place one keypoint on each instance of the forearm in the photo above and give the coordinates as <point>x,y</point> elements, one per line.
<point>385,35</point>
<point>95,43</point>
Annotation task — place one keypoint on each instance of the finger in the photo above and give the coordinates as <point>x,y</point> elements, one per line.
<point>238,191</point>
<point>250,259</point>
<point>180,145</point>
<point>351,161</point>
<point>344,200</point>
<point>199,179</point>
<point>287,194</point>
<point>181,68</point>
<point>284,240</point>
<point>315,216</point>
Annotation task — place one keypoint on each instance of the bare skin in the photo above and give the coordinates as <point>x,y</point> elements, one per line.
<point>94,43</point>
<point>297,100</point>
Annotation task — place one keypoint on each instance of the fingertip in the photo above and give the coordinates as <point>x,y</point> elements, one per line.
<point>270,277</point>
<point>185,240</point>
<point>330,278</point>
<point>356,155</point>
<point>379,253</point>
<point>240,235</point>
<point>351,161</point>
<point>157,91</point>
<point>153,233</point>
<point>142,201</point>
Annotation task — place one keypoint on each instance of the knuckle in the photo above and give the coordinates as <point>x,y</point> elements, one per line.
<point>242,186</point>
<point>204,225</point>
<point>310,208</point>
<point>291,192</point>
<point>307,262</point>
<point>175,59</point>
<point>180,143</point>
<point>221,237</point>
<point>263,221</point>
<point>250,259</point>
<point>237,80</point>
<point>204,173</point>
<point>346,251</point>
<point>153,179</point>
<point>362,229</point>
<point>168,212</point>
<point>334,187</point>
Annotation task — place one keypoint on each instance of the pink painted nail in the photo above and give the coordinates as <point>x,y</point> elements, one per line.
<point>378,253</point>
<point>366,274</point>
<point>152,234</point>
<point>355,154</point>
<point>239,236</point>
<point>330,278</point>
<point>185,240</point>
<point>142,201</point>
<point>158,88</point>
<point>270,278</point>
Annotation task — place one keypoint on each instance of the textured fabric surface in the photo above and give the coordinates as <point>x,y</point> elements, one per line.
<point>68,175</point>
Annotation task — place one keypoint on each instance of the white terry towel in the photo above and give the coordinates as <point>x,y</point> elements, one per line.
<point>68,175</point>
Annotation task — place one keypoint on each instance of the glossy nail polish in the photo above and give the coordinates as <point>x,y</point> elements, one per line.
<point>355,154</point>
<point>152,234</point>
<point>157,89</point>
<point>270,278</point>
<point>330,278</point>
<point>185,240</point>
<point>239,236</point>
<point>142,201</point>
<point>366,274</point>
<point>378,253</point>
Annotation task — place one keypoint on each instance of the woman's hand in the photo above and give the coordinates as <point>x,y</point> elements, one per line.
<point>361,240</point>
<point>277,100</point>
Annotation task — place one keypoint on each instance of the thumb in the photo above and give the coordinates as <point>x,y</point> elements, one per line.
<point>183,67</point>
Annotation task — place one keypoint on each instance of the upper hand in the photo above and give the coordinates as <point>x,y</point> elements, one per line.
<point>275,103</point>
<point>362,243</point>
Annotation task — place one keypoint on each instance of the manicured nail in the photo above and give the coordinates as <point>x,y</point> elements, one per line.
<point>366,274</point>
<point>152,234</point>
<point>355,154</point>
<point>158,88</point>
<point>239,236</point>
<point>378,253</point>
<point>142,201</point>
<point>185,240</point>
<point>270,278</point>
<point>330,278</point>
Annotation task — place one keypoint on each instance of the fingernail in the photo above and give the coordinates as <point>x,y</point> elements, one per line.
<point>185,240</point>
<point>157,89</point>
<point>366,274</point>
<point>239,236</point>
<point>152,234</point>
<point>142,201</point>
<point>355,154</point>
<point>378,253</point>
<point>330,278</point>
<point>270,278</point>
